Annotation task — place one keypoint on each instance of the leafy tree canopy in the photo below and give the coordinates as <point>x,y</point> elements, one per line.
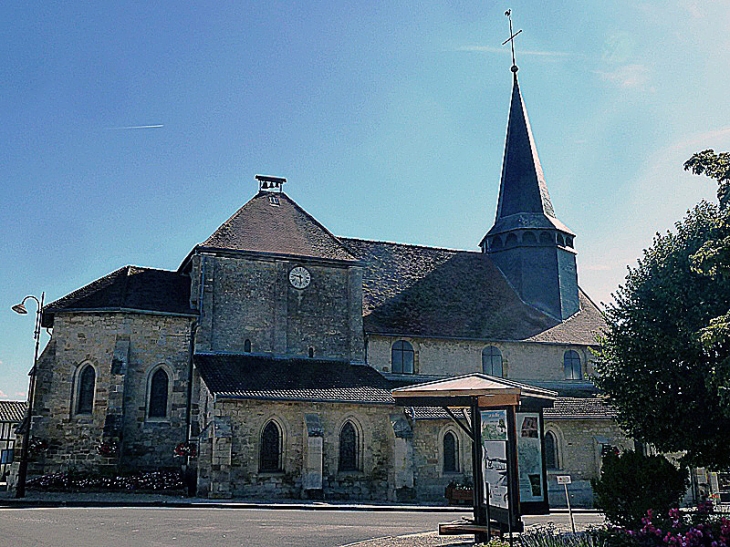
<point>665,357</point>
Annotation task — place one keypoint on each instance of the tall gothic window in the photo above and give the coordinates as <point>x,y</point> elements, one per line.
<point>348,448</point>
<point>572,366</point>
<point>451,453</point>
<point>270,449</point>
<point>87,387</point>
<point>492,361</point>
<point>551,453</point>
<point>158,394</point>
<point>401,357</point>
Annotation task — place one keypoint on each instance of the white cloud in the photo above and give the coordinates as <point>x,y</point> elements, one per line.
<point>634,76</point>
<point>3,395</point>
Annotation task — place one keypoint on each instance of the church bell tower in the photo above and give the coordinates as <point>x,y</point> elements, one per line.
<point>532,248</point>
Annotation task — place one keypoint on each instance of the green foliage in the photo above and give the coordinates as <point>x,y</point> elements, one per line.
<point>632,484</point>
<point>665,356</point>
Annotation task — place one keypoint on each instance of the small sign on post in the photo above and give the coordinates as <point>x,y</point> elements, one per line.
<point>565,480</point>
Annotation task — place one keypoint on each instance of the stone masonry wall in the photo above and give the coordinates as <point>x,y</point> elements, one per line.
<point>444,357</point>
<point>374,480</point>
<point>123,350</point>
<point>578,446</point>
<point>247,298</point>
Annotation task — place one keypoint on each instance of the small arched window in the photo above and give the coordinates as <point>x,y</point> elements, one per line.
<point>401,357</point>
<point>247,346</point>
<point>159,384</point>
<point>311,353</point>
<point>572,365</point>
<point>451,453</point>
<point>270,449</point>
<point>551,452</point>
<point>349,448</point>
<point>86,390</point>
<point>492,361</point>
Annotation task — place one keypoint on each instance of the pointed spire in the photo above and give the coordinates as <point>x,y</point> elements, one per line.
<point>523,188</point>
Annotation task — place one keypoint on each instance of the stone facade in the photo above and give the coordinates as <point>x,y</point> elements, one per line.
<point>123,350</point>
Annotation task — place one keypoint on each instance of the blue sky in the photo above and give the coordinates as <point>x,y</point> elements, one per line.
<point>131,130</point>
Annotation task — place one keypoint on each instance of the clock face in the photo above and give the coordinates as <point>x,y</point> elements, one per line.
<point>299,277</point>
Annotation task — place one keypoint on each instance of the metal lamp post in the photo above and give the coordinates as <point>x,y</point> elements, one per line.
<point>23,467</point>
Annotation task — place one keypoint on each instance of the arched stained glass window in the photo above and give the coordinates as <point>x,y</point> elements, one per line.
<point>348,448</point>
<point>402,357</point>
<point>87,387</point>
<point>551,453</point>
<point>158,394</point>
<point>451,453</point>
<point>572,365</point>
<point>492,361</point>
<point>270,449</point>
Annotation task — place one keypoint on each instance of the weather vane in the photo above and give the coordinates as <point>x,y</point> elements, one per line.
<point>511,39</point>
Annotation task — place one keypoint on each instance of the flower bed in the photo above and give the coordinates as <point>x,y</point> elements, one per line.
<point>73,481</point>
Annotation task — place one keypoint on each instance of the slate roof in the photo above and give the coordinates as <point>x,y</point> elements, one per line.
<point>428,291</point>
<point>258,377</point>
<point>524,201</point>
<point>12,411</point>
<point>567,408</point>
<point>281,229</point>
<point>580,408</point>
<point>128,288</point>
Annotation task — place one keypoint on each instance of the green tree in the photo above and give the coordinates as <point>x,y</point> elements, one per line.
<point>664,358</point>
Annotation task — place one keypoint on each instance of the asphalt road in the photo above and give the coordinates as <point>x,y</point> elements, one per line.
<point>194,527</point>
<point>223,527</point>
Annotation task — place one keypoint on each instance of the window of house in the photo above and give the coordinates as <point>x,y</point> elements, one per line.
<point>159,384</point>
<point>87,387</point>
<point>451,453</point>
<point>402,357</point>
<point>348,448</point>
<point>551,453</point>
<point>270,451</point>
<point>572,366</point>
<point>247,346</point>
<point>492,361</point>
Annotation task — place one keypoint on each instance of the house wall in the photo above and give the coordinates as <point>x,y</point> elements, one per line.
<point>123,349</point>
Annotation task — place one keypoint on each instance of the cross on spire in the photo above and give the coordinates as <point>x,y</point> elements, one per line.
<point>511,39</point>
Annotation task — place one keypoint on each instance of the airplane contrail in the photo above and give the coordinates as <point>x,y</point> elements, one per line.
<point>139,126</point>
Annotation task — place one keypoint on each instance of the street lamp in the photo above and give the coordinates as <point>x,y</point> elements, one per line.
<point>23,467</point>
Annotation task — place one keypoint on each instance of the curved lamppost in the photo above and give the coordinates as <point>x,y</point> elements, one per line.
<point>23,467</point>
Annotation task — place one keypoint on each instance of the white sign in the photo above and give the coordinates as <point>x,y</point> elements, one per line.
<point>563,479</point>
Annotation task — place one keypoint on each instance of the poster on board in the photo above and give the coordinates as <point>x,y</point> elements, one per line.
<point>494,458</point>
<point>529,457</point>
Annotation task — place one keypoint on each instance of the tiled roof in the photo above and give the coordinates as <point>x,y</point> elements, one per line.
<point>257,377</point>
<point>575,408</point>
<point>12,411</point>
<point>427,291</point>
<point>580,408</point>
<point>128,288</point>
<point>281,227</point>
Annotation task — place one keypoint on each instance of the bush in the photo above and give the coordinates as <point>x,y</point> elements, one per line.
<point>631,484</point>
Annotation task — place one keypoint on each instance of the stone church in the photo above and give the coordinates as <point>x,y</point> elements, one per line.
<point>265,362</point>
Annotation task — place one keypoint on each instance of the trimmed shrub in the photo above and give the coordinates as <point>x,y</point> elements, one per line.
<point>631,484</point>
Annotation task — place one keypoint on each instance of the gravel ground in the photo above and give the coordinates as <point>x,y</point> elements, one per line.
<point>431,539</point>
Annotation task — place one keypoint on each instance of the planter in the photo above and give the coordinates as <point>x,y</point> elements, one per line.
<point>459,496</point>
